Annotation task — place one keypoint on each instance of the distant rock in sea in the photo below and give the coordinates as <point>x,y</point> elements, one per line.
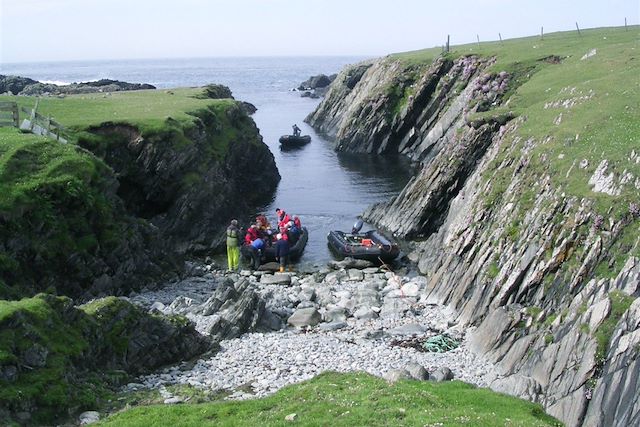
<point>316,86</point>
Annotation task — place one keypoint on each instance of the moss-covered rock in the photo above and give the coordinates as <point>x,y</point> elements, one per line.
<point>62,226</point>
<point>119,209</point>
<point>56,359</point>
<point>189,178</point>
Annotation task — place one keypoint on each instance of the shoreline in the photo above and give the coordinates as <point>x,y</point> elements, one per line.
<point>259,363</point>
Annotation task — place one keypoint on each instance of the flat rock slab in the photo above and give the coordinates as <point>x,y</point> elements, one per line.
<point>407,330</point>
<point>275,279</point>
<point>304,317</point>
<point>396,375</point>
<point>333,326</point>
<point>441,374</point>
<point>269,266</point>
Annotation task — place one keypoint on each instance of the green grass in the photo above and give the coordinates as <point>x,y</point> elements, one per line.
<point>607,124</point>
<point>620,303</point>
<point>355,399</point>
<point>147,108</point>
<point>54,201</point>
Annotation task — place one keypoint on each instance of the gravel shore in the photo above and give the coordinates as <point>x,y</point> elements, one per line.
<point>379,314</point>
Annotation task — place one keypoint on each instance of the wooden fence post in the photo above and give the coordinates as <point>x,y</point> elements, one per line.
<point>625,23</point>
<point>541,33</point>
<point>16,115</point>
<point>447,43</point>
<point>478,37</point>
<point>578,28</point>
<point>500,36</point>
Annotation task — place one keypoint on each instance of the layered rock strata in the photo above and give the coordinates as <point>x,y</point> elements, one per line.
<point>500,242</point>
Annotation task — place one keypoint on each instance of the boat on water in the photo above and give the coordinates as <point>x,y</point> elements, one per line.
<point>288,141</point>
<point>371,246</point>
<point>268,254</point>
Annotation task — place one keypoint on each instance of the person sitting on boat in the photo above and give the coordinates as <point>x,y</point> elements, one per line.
<point>283,218</point>
<point>296,221</point>
<point>293,232</point>
<point>263,223</point>
<point>283,232</point>
<point>282,252</point>
<point>296,130</point>
<point>252,234</point>
<point>264,229</point>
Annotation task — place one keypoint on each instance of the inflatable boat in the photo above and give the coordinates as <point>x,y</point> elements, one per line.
<point>371,246</point>
<point>268,254</point>
<point>287,141</point>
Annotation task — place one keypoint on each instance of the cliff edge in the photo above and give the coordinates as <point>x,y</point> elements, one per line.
<point>525,213</point>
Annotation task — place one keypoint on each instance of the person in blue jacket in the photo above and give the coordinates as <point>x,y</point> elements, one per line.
<point>256,252</point>
<point>282,252</point>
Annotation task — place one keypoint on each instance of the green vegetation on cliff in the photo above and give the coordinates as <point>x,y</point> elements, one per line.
<point>57,359</point>
<point>70,213</point>
<point>41,339</point>
<point>355,399</point>
<point>577,95</point>
<point>54,202</point>
<point>581,106</point>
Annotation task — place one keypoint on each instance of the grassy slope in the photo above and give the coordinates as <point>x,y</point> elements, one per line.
<point>355,399</point>
<point>52,204</point>
<point>147,108</point>
<point>607,123</point>
<point>604,126</point>
<point>55,195</point>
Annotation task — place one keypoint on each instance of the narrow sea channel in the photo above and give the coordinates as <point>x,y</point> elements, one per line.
<point>326,189</point>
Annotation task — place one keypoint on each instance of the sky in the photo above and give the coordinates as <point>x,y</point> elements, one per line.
<point>61,30</point>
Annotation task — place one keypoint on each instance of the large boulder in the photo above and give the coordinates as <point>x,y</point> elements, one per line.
<point>305,317</point>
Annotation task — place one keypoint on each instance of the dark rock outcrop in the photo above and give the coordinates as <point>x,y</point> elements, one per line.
<point>316,86</point>
<point>26,86</point>
<point>189,191</point>
<point>14,84</point>
<point>316,82</point>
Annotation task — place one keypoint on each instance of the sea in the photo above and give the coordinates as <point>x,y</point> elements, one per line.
<point>327,190</point>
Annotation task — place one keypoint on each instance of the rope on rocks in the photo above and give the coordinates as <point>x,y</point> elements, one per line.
<point>440,344</point>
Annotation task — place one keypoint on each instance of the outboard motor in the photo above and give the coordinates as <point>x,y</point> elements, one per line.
<point>357,226</point>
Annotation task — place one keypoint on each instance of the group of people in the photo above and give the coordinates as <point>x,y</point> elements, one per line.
<point>260,235</point>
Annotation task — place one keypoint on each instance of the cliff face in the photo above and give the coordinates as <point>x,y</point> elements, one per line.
<point>120,209</point>
<point>540,267</point>
<point>189,181</point>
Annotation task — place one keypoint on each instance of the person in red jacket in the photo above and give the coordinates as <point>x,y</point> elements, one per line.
<point>252,234</point>
<point>283,218</point>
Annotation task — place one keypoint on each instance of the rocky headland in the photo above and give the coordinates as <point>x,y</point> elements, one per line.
<point>17,85</point>
<point>508,232</point>
<point>117,209</point>
<point>128,200</point>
